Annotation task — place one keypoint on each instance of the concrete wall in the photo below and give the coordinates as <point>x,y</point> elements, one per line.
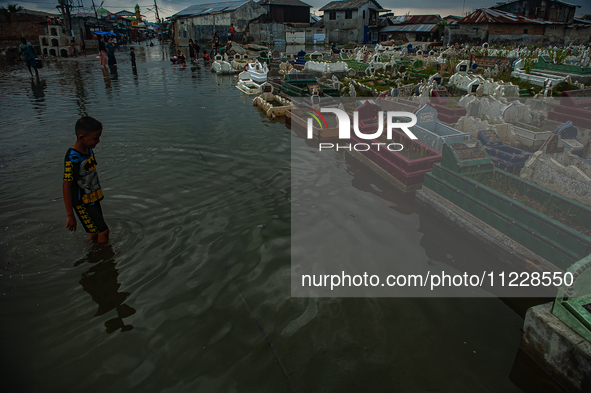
<point>577,35</point>
<point>513,33</point>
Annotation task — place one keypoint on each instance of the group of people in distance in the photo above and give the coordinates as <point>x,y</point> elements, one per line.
<point>107,53</point>
<point>216,44</point>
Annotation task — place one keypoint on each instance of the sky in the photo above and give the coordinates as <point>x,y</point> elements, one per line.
<point>169,7</point>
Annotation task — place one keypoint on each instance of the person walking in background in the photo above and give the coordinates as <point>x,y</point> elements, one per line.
<point>216,42</point>
<point>102,51</point>
<point>83,47</point>
<point>181,57</point>
<point>73,45</point>
<point>132,57</point>
<point>232,30</point>
<point>29,55</point>
<point>191,50</point>
<point>111,61</point>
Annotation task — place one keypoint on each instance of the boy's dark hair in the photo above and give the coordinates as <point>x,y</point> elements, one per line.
<point>86,125</point>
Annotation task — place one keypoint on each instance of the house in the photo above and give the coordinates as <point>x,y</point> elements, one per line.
<point>496,26</point>
<point>125,13</point>
<point>352,21</point>
<point>200,22</point>
<point>287,11</point>
<point>411,28</point>
<point>452,18</point>
<point>286,21</point>
<point>85,23</point>
<point>548,10</point>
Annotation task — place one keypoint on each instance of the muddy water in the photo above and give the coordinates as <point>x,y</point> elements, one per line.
<point>196,185</point>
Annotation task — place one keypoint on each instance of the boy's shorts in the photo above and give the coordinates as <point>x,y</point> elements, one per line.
<point>91,218</point>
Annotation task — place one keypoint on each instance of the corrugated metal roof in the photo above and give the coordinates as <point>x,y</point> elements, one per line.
<point>487,15</point>
<point>204,9</point>
<point>410,28</point>
<point>415,19</point>
<point>553,1</point>
<point>296,3</point>
<point>423,19</point>
<point>397,19</point>
<point>581,21</point>
<point>348,5</point>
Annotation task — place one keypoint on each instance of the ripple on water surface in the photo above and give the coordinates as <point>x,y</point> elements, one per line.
<point>197,186</point>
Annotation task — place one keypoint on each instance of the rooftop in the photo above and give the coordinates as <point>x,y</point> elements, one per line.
<point>553,1</point>
<point>349,5</point>
<point>296,3</point>
<point>488,15</point>
<point>204,9</point>
<point>410,28</point>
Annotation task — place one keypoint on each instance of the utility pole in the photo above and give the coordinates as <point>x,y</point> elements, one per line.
<point>65,7</point>
<point>158,21</point>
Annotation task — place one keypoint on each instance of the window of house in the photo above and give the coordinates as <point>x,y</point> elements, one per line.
<point>332,15</point>
<point>349,14</point>
<point>363,14</point>
<point>525,31</point>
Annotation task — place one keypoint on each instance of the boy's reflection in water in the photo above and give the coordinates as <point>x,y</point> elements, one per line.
<point>100,281</point>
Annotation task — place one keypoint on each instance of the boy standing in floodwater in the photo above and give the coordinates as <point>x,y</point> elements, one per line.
<point>81,189</point>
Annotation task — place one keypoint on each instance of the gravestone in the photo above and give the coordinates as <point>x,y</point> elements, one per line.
<point>551,145</point>
<point>426,117</point>
<point>577,98</point>
<point>466,157</point>
<point>510,114</point>
<point>568,135</point>
<point>490,137</point>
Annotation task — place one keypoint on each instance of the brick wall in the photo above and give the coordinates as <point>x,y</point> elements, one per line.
<point>515,34</point>
<point>515,29</point>
<point>13,26</point>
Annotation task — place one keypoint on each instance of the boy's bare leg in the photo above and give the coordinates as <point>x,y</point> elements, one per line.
<point>92,237</point>
<point>103,237</point>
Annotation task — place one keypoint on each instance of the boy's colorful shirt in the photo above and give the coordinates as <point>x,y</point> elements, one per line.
<point>81,169</point>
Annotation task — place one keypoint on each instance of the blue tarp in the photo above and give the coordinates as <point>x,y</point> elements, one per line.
<point>98,32</point>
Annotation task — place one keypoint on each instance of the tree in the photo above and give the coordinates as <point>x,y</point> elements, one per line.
<point>12,8</point>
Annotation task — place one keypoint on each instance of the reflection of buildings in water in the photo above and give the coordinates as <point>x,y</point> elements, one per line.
<point>80,90</point>
<point>364,179</point>
<point>100,281</point>
<point>38,89</point>
<point>106,77</point>
<point>113,69</point>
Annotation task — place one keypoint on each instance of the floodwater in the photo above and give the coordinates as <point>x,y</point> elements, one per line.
<point>194,292</point>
